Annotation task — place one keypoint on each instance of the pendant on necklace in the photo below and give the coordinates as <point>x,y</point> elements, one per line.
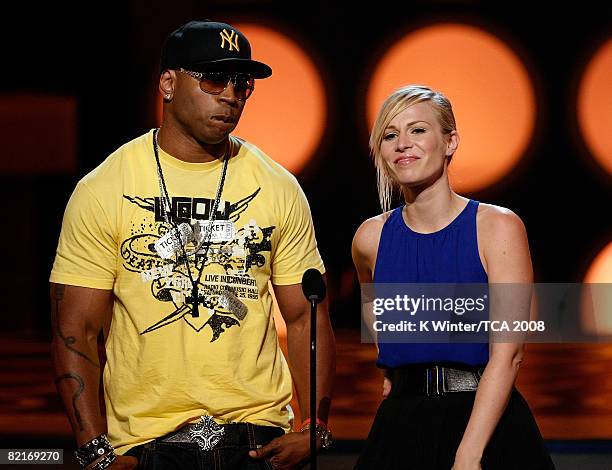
<point>195,311</point>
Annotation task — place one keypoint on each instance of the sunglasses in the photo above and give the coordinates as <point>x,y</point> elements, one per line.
<point>215,83</point>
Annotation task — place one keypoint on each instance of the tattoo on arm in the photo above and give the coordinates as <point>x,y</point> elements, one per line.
<point>76,395</point>
<point>58,296</point>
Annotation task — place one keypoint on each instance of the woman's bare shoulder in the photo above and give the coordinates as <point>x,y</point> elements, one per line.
<point>367,237</point>
<point>492,218</point>
<point>370,229</point>
<point>497,226</point>
<point>365,246</point>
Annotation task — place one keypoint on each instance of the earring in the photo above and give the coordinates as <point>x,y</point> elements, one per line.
<point>167,97</point>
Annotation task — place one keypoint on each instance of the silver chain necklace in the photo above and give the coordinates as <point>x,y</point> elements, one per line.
<point>185,229</point>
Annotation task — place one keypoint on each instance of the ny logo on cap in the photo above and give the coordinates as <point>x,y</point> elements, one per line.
<point>231,38</point>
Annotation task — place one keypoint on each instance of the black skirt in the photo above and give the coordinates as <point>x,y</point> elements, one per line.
<point>423,433</point>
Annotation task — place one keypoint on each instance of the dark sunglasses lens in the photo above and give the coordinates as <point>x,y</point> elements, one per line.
<point>243,86</point>
<point>214,82</point>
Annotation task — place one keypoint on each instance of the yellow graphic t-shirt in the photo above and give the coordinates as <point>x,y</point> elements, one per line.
<point>166,367</point>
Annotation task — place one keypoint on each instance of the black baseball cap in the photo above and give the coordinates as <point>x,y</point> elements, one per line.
<point>209,45</point>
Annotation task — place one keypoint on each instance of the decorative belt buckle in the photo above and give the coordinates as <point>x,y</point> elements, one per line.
<point>206,433</point>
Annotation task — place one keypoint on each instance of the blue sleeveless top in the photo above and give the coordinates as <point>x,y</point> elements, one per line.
<point>449,255</point>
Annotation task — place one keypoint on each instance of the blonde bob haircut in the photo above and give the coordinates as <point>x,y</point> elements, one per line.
<point>398,101</point>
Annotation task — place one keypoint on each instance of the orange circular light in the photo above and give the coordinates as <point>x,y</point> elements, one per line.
<point>596,302</point>
<point>491,92</point>
<point>600,270</point>
<point>595,106</point>
<point>286,115</point>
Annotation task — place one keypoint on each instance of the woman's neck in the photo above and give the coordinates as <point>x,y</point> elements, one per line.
<point>432,208</point>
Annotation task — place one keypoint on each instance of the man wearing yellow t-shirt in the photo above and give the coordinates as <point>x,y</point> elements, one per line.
<point>168,247</point>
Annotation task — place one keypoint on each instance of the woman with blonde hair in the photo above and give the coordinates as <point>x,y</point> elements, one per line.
<point>447,405</point>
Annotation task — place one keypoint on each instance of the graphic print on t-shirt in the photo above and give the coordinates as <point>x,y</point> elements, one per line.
<point>219,293</point>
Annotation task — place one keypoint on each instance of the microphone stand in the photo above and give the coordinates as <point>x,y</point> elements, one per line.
<point>313,287</point>
<point>313,381</point>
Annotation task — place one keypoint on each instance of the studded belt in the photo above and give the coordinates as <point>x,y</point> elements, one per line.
<point>434,379</point>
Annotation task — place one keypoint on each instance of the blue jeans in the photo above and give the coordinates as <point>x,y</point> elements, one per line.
<point>232,455</point>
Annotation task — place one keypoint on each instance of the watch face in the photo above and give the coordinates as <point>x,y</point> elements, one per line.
<point>326,440</point>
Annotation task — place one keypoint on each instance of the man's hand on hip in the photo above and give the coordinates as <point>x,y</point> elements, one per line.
<point>285,452</point>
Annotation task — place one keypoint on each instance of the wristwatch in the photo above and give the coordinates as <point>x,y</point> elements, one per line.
<point>325,435</point>
<point>321,431</point>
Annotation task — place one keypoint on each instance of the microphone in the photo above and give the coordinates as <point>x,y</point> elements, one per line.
<point>313,286</point>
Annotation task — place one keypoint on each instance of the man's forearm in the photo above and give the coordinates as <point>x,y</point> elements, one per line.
<point>298,339</point>
<point>77,382</point>
<point>77,368</point>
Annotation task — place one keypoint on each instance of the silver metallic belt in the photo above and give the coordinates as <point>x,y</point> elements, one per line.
<point>434,380</point>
